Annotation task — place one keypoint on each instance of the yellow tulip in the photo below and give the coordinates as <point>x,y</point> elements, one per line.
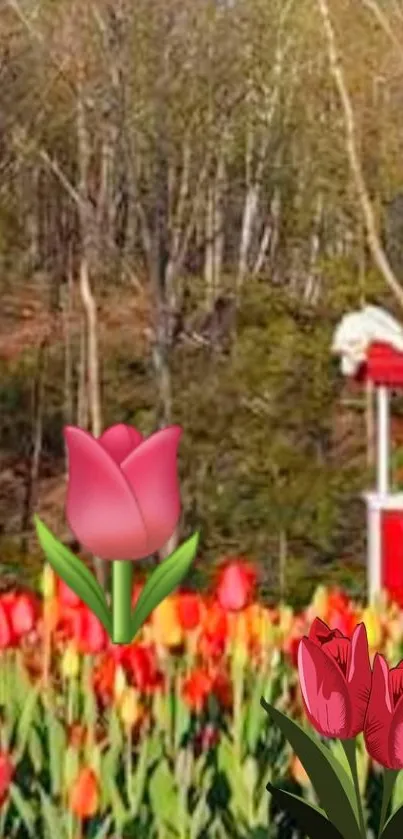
<point>167,631</point>
<point>130,709</point>
<point>372,621</point>
<point>70,664</point>
<point>320,602</point>
<point>48,582</point>
<point>120,683</point>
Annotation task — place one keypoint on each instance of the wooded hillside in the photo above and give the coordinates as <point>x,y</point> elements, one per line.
<point>191,195</point>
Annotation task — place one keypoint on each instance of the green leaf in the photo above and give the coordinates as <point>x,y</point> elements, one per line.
<point>163,581</point>
<point>74,573</point>
<point>311,819</point>
<point>57,744</point>
<point>332,784</point>
<point>394,826</point>
<point>164,794</point>
<point>397,800</point>
<point>24,809</point>
<point>105,829</point>
<point>253,719</point>
<point>50,814</point>
<point>25,722</point>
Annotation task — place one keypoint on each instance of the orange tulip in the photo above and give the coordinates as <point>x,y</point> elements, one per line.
<point>84,796</point>
<point>298,773</point>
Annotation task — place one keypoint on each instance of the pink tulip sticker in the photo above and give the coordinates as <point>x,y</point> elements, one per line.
<point>123,504</point>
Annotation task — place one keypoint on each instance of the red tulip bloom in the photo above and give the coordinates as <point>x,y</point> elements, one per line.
<point>335,678</point>
<point>6,635</point>
<point>123,493</point>
<point>189,609</point>
<point>214,632</point>
<point>206,739</point>
<point>104,679</point>
<point>6,775</point>
<point>140,661</point>
<point>196,689</point>
<point>236,583</point>
<point>88,631</point>
<point>383,731</point>
<point>66,595</point>
<point>22,611</point>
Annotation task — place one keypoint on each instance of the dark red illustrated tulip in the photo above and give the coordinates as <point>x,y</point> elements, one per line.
<point>335,678</point>
<point>383,731</point>
<point>123,492</point>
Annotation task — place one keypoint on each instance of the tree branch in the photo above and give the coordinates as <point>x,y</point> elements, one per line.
<point>374,242</point>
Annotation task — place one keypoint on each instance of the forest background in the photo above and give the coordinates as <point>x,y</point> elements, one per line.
<point>191,196</point>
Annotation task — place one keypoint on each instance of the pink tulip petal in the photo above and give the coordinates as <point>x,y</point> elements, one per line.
<point>151,471</point>
<point>339,649</point>
<point>379,714</point>
<point>396,683</point>
<point>319,631</point>
<point>101,508</point>
<point>324,691</point>
<point>120,440</point>
<point>395,743</point>
<point>359,677</point>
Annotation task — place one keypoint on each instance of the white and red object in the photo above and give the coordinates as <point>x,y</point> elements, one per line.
<point>370,344</point>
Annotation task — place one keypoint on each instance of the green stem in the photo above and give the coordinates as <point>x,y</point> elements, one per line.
<point>389,780</point>
<point>350,750</point>
<point>122,577</point>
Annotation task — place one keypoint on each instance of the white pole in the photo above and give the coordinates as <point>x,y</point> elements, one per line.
<point>374,548</point>
<point>376,502</point>
<point>383,440</point>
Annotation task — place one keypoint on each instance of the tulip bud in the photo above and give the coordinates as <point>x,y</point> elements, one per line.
<point>48,582</point>
<point>84,798</point>
<point>130,709</point>
<point>240,655</point>
<point>120,683</point>
<point>70,665</point>
<point>320,602</point>
<point>6,775</point>
<point>373,626</point>
<point>167,631</point>
<point>298,772</point>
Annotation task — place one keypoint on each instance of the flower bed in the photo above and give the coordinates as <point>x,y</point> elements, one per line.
<point>163,737</point>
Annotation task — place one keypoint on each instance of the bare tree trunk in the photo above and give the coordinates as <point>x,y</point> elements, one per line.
<point>209,272</point>
<point>311,290</point>
<point>254,179</point>
<point>68,349</point>
<point>374,242</point>
<point>282,557</point>
<point>219,227</point>
<point>270,236</point>
<point>82,391</point>
<point>87,297</point>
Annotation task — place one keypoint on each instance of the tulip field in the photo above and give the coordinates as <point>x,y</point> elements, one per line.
<point>164,737</point>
